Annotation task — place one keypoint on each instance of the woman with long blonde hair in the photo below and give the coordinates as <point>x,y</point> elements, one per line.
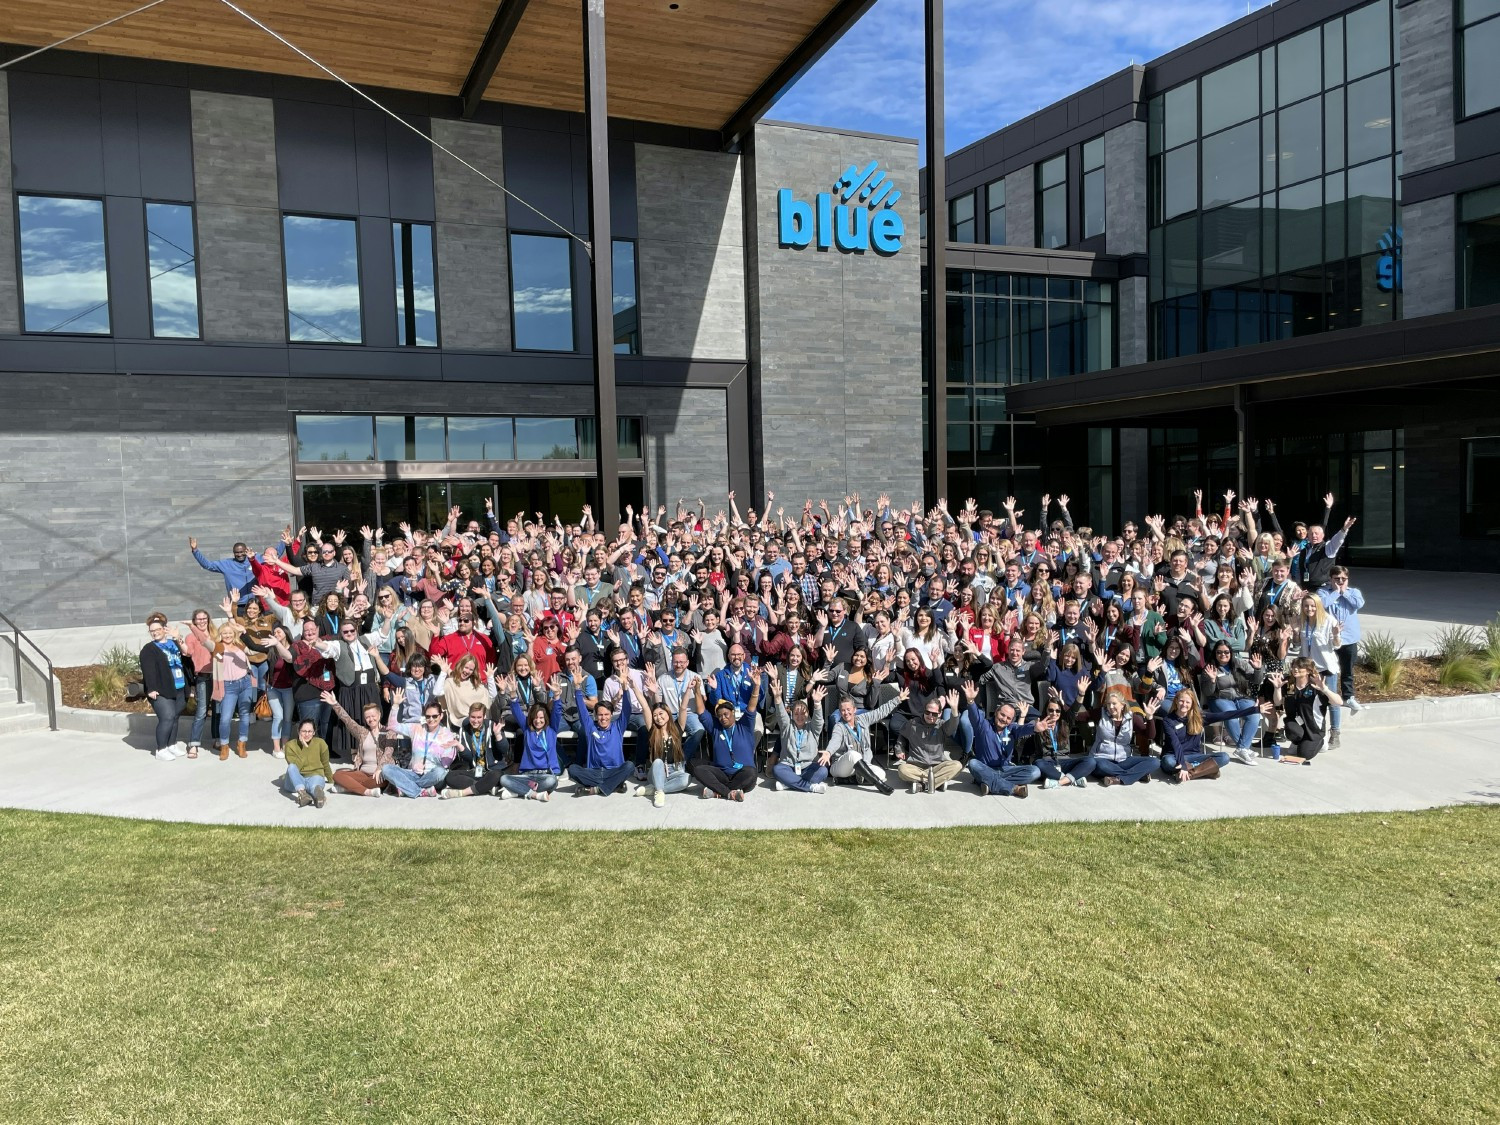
<point>1184,758</point>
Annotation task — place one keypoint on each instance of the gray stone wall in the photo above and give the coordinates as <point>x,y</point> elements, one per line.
<point>690,253</point>
<point>686,454</point>
<point>1434,495</point>
<point>472,250</point>
<point>239,218</point>
<point>1428,64</point>
<point>10,304</point>
<point>1125,189</point>
<point>838,335</point>
<point>1429,257</point>
<point>1130,311</point>
<point>96,505</point>
<point>1020,206</point>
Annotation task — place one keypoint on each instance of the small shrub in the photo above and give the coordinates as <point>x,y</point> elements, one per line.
<point>1466,671</point>
<point>1381,654</point>
<point>1489,654</point>
<point>1453,642</point>
<point>105,686</point>
<point>125,661</point>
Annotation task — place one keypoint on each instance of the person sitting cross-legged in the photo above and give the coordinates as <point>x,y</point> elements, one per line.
<point>800,765</point>
<point>537,773</point>
<point>926,738</point>
<point>729,770</point>
<point>433,748</point>
<point>1115,759</point>
<point>993,765</point>
<point>604,768</point>
<point>307,768</point>
<point>849,746</point>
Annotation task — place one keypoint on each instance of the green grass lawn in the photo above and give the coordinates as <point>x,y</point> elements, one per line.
<point>1318,969</point>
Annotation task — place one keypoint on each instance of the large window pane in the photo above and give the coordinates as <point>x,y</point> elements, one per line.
<point>1064,338</point>
<point>1180,181</point>
<point>416,285</point>
<point>626,306</point>
<point>1030,337</point>
<point>174,270</point>
<point>400,438</point>
<point>1369,38</point>
<point>1231,165</point>
<point>541,292</point>
<point>1181,257</point>
<point>1052,172</point>
<point>1231,245</point>
<point>322,280</point>
<point>1093,203</point>
<point>333,437</point>
<point>1480,243</point>
<point>1300,142</point>
<point>627,439</point>
<point>1180,120</point>
<point>423,504</point>
<point>996,221</point>
<point>1333,130</point>
<point>1481,489</point>
<point>338,507</point>
<point>991,340</point>
<point>1230,94</point>
<point>480,439</point>
<point>1333,53</point>
<point>961,218</point>
<point>1369,118</point>
<point>1054,217</point>
<point>1372,207</point>
<point>1299,63</point>
<point>1481,47</point>
<point>1301,226</point>
<point>546,439</point>
<point>64,271</point>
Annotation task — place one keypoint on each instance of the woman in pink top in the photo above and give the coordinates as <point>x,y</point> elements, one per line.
<point>234,688</point>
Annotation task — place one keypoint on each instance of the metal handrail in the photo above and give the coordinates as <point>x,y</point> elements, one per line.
<point>17,638</point>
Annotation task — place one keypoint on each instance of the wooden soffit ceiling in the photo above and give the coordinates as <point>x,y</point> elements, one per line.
<point>680,62</point>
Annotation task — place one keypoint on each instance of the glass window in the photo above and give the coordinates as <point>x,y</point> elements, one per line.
<point>541,292</point>
<point>400,438</point>
<point>1480,46</point>
<point>1180,115</point>
<point>1369,118</point>
<point>322,280</point>
<point>334,506</point>
<point>1230,94</point>
<point>1333,53</point>
<point>1299,64</point>
<point>1300,142</point>
<point>1180,181</point>
<point>1481,489</point>
<point>1268,80</point>
<point>64,268</point>
<point>416,285</point>
<point>1372,206</point>
<point>480,439</point>
<point>961,218</point>
<point>1301,226</point>
<point>995,194</point>
<point>1052,202</point>
<point>991,341</point>
<point>627,438</point>
<point>1231,245</point>
<point>1030,337</point>
<point>1231,165</point>
<point>1369,37</point>
<point>1479,239</point>
<point>173,270</point>
<point>1333,130</point>
<point>546,439</point>
<point>626,304</point>
<point>333,437</point>
<point>1093,187</point>
<point>1181,257</point>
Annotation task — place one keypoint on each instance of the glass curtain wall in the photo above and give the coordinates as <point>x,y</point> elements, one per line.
<point>1275,192</point>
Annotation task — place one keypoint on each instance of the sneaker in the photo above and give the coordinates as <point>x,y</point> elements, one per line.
<point>278,754</point>
<point>428,792</point>
<point>166,754</point>
<point>737,795</point>
<point>1111,781</point>
<point>1333,741</point>
<point>1246,755</point>
<point>1020,791</point>
<point>942,787</point>
<point>320,798</point>
<point>707,794</point>
<point>819,787</point>
<point>984,790</point>
<point>1080,783</point>
<point>641,791</point>
<point>180,749</point>
<point>640,773</point>
<point>625,787</point>
<point>1051,783</point>
<point>658,799</point>
<point>916,787</point>
<point>506,794</point>
<point>303,800</point>
<point>780,788</point>
<point>1354,705</point>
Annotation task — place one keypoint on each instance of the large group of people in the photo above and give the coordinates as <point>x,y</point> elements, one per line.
<point>856,644</point>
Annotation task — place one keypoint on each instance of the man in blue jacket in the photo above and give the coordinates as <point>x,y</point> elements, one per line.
<point>604,768</point>
<point>728,769</point>
<point>994,748</point>
<point>235,570</point>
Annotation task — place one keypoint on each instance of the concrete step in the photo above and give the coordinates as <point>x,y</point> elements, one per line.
<point>9,708</point>
<point>22,724</point>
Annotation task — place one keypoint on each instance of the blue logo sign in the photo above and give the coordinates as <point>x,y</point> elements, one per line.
<point>863,218</point>
<point>1388,265</point>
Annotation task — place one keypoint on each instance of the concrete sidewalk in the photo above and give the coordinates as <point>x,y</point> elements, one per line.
<point>1376,770</point>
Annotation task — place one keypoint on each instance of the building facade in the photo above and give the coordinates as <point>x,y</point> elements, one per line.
<point>233,301</point>
<point>1298,216</point>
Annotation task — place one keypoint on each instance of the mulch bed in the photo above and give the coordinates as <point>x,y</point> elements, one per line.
<point>1419,677</point>
<point>74,680</point>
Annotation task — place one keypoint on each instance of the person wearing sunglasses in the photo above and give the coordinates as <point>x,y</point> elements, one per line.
<point>993,766</point>
<point>433,748</point>
<point>927,738</point>
<point>1057,767</point>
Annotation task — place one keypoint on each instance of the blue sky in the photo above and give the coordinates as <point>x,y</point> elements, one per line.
<point>1005,59</point>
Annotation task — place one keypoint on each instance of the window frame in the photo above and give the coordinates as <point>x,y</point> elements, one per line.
<point>989,212</point>
<point>1461,27</point>
<point>510,269</point>
<point>146,205</point>
<point>635,269</point>
<point>1040,237</point>
<point>437,307</point>
<point>359,269</point>
<point>955,224</point>
<point>1466,528</point>
<point>21,268</point>
<point>1092,173</point>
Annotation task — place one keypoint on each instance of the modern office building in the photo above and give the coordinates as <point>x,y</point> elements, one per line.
<point>1267,261</point>
<point>235,295</point>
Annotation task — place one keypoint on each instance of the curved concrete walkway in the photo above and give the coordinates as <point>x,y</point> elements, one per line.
<point>1375,770</point>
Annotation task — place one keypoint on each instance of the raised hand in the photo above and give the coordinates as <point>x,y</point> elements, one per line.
<point>952,698</point>
<point>1328,500</point>
<point>971,690</point>
<point>1062,501</point>
<point>339,536</point>
<point>192,543</point>
<point>329,698</point>
<point>830,653</point>
<point>819,694</point>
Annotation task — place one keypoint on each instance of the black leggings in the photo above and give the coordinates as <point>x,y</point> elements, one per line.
<point>719,781</point>
<point>167,708</point>
<point>1305,743</point>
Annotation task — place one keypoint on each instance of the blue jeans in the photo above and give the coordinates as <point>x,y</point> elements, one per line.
<point>258,675</point>
<point>202,691</point>
<point>964,736</point>
<point>296,779</point>
<point>606,781</point>
<point>543,781</point>
<point>1076,768</point>
<point>692,737</point>
<point>802,780</point>
<point>282,709</point>
<point>1241,731</point>
<point>1332,680</point>
<point>319,712</point>
<point>409,784</point>
<point>1004,779</point>
<point>1169,763</point>
<point>1131,770</point>
<point>239,698</point>
<point>673,781</point>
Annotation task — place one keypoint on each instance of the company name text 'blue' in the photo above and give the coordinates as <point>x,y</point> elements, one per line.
<point>862,219</point>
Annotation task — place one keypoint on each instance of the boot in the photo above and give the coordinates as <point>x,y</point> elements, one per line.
<point>223,751</point>
<point>239,748</point>
<point>1206,770</point>
<point>863,770</point>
